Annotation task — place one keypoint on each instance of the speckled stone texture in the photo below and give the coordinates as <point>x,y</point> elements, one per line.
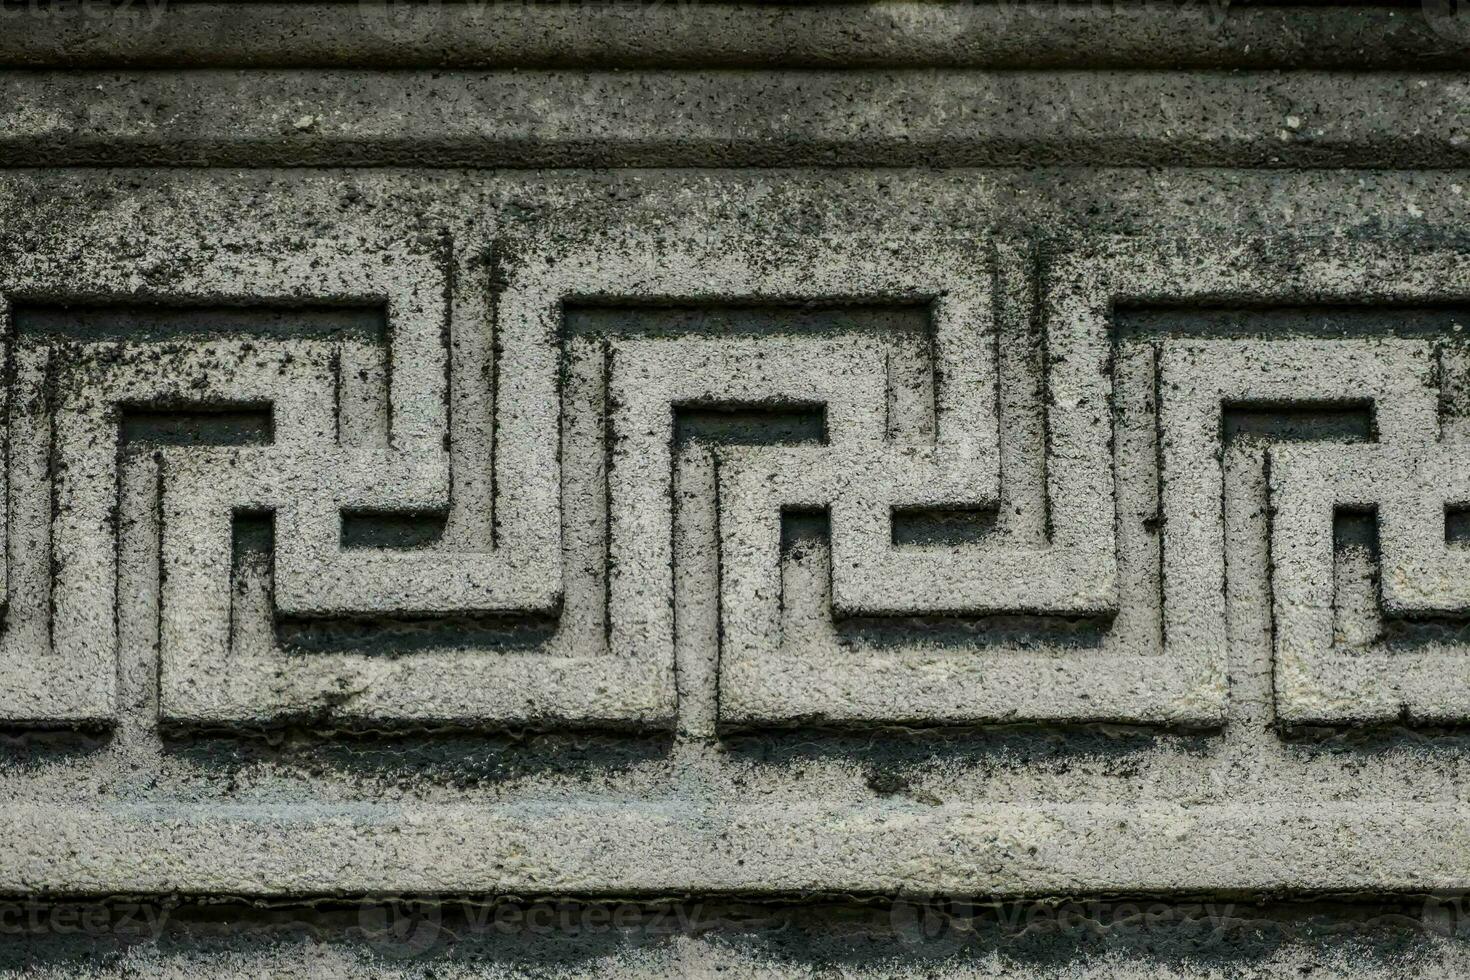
<point>683,490</point>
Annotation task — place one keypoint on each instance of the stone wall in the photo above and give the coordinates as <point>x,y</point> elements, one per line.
<point>680,489</point>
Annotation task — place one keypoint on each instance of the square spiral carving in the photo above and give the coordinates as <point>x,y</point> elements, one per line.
<point>931,481</point>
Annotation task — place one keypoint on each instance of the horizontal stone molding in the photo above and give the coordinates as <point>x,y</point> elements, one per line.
<point>628,848</point>
<point>736,118</point>
<point>677,33</point>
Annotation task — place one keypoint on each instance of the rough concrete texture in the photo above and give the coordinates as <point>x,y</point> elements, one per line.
<point>735,490</point>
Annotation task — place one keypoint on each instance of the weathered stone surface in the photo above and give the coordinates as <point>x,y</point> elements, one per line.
<point>984,496</point>
<point>692,118</point>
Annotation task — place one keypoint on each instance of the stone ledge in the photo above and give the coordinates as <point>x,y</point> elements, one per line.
<point>634,847</point>
<point>728,119</point>
<point>671,34</point>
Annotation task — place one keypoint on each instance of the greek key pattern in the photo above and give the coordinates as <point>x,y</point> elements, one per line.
<point>603,479</point>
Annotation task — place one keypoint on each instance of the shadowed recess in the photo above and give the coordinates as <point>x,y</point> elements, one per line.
<point>154,322</point>
<point>733,319</point>
<point>1300,421</point>
<point>238,425</point>
<point>251,533</point>
<point>751,424</point>
<point>391,529</point>
<point>1457,525</point>
<point>943,526</point>
<point>1288,322</point>
<point>1355,527</point>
